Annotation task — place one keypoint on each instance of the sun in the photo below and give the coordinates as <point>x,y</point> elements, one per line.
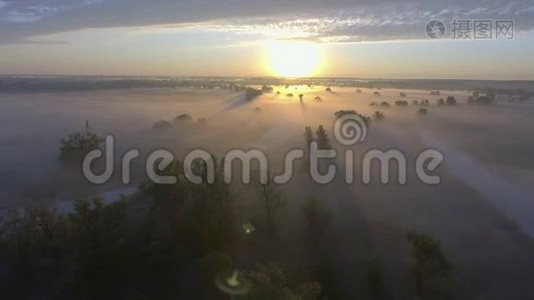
<point>293,59</point>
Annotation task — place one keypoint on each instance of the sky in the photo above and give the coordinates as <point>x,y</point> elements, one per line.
<point>349,38</point>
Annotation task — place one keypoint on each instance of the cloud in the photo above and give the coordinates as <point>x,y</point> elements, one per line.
<point>328,21</point>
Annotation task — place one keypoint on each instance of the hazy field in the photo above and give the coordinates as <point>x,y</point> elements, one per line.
<point>483,211</point>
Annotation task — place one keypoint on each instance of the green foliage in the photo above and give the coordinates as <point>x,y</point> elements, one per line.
<point>100,233</point>
<point>375,282</point>
<point>270,282</point>
<point>75,146</point>
<point>429,266</point>
<point>34,239</point>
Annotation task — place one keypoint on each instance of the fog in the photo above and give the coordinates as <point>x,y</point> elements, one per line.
<point>482,211</point>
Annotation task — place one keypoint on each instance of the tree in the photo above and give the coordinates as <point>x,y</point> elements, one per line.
<point>323,142</point>
<point>422,112</point>
<point>301,96</point>
<point>378,115</point>
<point>376,94</point>
<point>75,146</point>
<point>402,95</point>
<point>429,266</point>
<point>450,100</point>
<point>183,118</point>
<point>441,102</point>
<point>270,282</point>
<point>308,135</point>
<point>341,113</point>
<point>162,124</point>
<point>270,197</point>
<point>251,93</point>
<point>316,216</point>
<point>267,89</point>
<point>100,234</point>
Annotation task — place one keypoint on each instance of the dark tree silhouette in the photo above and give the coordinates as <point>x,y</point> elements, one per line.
<point>75,146</point>
<point>429,266</point>
<point>422,112</point>
<point>323,142</point>
<point>378,115</point>
<point>450,100</point>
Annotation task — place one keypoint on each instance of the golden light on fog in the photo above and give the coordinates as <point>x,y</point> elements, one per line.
<point>294,59</point>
